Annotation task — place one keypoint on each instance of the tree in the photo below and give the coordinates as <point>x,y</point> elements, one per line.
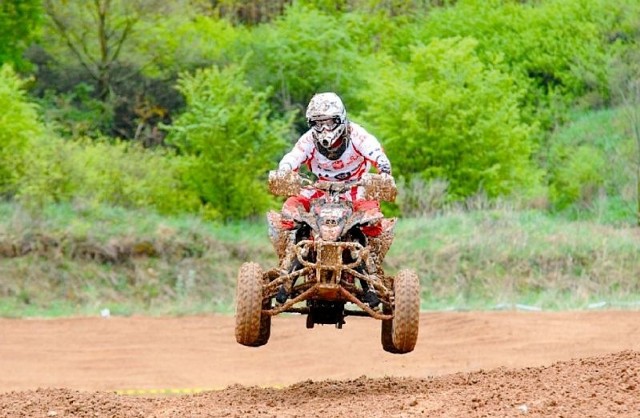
<point>108,45</point>
<point>18,125</point>
<point>448,116</point>
<point>231,139</point>
<point>97,31</point>
<point>304,52</point>
<point>19,20</point>
<point>250,11</point>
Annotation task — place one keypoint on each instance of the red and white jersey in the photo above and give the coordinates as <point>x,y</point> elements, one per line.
<point>361,153</point>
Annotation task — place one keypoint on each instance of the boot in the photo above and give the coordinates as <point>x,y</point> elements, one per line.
<point>283,292</point>
<point>370,296</point>
<point>282,295</point>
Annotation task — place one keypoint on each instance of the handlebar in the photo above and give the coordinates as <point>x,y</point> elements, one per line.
<point>337,186</point>
<point>290,183</point>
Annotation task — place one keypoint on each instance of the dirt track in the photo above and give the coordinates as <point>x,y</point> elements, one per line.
<point>465,364</point>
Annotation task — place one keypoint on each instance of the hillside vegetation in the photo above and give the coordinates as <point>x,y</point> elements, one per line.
<point>183,107</point>
<point>73,261</point>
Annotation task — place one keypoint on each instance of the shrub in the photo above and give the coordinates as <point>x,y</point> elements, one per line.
<point>579,178</point>
<point>19,20</point>
<point>418,198</point>
<point>19,124</point>
<point>304,52</point>
<point>556,49</point>
<point>230,140</point>
<point>446,115</point>
<point>105,173</point>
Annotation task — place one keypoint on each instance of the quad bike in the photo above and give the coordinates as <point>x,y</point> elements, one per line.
<point>327,266</point>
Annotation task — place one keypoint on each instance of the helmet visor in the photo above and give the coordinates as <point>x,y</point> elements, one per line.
<point>325,124</point>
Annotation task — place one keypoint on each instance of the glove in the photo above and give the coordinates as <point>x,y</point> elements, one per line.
<point>388,183</point>
<point>289,176</point>
<point>287,173</point>
<point>384,165</point>
<point>284,183</point>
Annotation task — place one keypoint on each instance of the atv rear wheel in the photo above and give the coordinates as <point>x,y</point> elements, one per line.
<point>400,334</point>
<point>253,328</point>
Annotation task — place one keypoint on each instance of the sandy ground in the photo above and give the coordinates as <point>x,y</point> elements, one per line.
<point>475,364</point>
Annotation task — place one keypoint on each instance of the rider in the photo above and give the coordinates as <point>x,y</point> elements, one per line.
<point>334,149</point>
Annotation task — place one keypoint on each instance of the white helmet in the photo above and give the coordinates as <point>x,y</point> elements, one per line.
<point>327,119</point>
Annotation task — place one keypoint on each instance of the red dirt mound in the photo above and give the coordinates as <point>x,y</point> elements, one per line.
<point>603,386</point>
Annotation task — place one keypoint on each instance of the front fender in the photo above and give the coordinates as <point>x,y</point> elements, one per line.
<point>370,216</point>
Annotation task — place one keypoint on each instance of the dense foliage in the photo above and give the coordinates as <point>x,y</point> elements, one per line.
<point>93,172</point>
<point>446,115</point>
<point>19,21</point>
<point>183,106</point>
<point>18,126</point>
<point>230,141</point>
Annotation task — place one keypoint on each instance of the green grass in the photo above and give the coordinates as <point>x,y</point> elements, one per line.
<point>484,259</point>
<point>489,259</point>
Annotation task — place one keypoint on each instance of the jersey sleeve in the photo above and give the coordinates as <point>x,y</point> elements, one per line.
<point>370,148</point>
<point>301,153</point>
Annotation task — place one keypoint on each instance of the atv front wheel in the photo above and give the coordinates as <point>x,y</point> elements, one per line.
<point>253,328</point>
<point>387,334</point>
<point>400,334</point>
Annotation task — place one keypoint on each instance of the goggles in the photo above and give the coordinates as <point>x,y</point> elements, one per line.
<point>321,125</point>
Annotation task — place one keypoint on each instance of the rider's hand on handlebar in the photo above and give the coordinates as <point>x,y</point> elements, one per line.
<point>286,173</point>
<point>284,170</point>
